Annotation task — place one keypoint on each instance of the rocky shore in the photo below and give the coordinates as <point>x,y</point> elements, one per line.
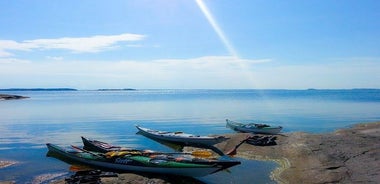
<point>6,163</point>
<point>345,156</point>
<point>349,155</point>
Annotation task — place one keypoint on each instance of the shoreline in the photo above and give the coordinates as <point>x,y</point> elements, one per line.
<point>283,164</point>
<point>348,155</point>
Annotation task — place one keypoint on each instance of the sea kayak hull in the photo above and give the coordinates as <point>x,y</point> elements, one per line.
<point>179,137</point>
<point>253,128</point>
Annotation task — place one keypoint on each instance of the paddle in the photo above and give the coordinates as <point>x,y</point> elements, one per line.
<point>77,168</point>
<point>233,151</point>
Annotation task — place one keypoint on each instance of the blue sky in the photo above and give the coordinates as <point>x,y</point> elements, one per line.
<point>185,44</point>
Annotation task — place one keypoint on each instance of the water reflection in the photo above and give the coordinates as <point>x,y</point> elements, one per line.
<point>25,143</point>
<point>62,117</point>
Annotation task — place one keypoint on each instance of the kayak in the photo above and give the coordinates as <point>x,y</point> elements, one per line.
<point>103,147</point>
<point>180,137</point>
<point>162,164</point>
<point>253,127</point>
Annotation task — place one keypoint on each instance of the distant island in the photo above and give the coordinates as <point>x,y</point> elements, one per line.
<point>65,89</point>
<point>11,97</point>
<point>39,89</point>
<point>15,97</point>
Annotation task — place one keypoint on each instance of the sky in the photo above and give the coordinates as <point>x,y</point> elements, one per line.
<point>190,44</point>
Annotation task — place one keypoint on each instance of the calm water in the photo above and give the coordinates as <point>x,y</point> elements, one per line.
<point>61,117</point>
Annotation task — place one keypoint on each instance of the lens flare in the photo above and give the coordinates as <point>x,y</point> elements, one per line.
<point>235,57</point>
<point>216,28</point>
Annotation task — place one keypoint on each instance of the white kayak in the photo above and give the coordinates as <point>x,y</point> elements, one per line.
<point>180,137</point>
<point>253,127</point>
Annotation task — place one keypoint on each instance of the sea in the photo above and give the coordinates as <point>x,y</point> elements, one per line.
<point>63,116</point>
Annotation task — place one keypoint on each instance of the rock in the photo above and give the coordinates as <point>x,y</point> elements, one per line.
<point>6,163</point>
<point>345,156</point>
<point>7,182</point>
<point>149,178</point>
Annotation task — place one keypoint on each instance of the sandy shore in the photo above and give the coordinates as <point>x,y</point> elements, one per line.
<point>349,155</point>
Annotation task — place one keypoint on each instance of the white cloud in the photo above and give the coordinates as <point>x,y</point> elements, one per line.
<point>56,58</point>
<point>203,72</point>
<point>79,44</point>
<point>13,61</point>
<point>4,53</point>
<point>338,73</point>
<point>6,45</point>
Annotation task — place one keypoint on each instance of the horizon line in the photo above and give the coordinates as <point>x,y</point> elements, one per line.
<point>136,89</point>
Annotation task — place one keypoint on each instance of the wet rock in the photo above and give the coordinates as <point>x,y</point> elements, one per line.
<point>7,182</point>
<point>3,164</point>
<point>6,163</point>
<point>131,178</point>
<point>47,178</point>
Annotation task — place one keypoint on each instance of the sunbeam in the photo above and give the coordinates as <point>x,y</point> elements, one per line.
<point>216,28</point>
<point>240,62</point>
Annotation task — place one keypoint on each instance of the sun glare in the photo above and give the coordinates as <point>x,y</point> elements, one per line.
<point>235,57</point>
<point>216,27</point>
